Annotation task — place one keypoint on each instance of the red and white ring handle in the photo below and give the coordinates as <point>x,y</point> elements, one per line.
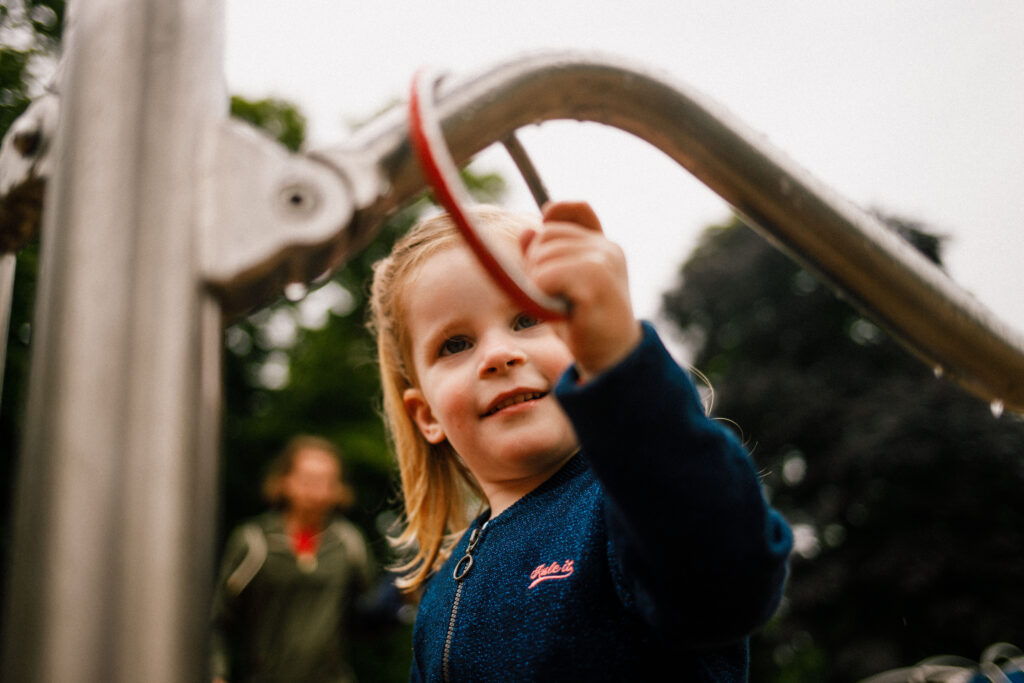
<point>442,174</point>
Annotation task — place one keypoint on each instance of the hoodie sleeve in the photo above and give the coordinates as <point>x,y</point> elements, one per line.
<point>701,552</point>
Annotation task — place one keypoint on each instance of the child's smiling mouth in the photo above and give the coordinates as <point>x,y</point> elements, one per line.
<point>510,400</point>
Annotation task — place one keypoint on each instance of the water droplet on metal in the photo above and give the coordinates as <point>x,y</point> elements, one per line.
<point>996,407</point>
<point>295,291</point>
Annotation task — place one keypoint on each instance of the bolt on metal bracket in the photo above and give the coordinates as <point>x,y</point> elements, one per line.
<point>272,218</point>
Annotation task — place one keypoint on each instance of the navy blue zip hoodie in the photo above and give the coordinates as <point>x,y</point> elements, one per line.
<point>651,551</point>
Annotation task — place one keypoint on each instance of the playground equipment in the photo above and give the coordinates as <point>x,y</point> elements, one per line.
<point>162,217</point>
<point>999,663</point>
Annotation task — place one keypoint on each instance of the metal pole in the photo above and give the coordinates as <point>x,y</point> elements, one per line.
<point>113,545</point>
<point>8,263</point>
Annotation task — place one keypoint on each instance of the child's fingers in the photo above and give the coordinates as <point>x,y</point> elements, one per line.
<point>556,239</point>
<point>570,261</point>
<point>570,257</point>
<point>568,242</point>
<point>525,239</point>
<point>572,212</point>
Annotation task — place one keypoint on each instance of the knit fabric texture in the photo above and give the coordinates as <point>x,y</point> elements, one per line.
<point>651,551</point>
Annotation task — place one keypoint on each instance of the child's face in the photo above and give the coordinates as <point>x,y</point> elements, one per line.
<point>486,373</point>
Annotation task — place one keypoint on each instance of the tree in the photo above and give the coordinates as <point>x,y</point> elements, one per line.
<point>30,32</point>
<point>903,490</point>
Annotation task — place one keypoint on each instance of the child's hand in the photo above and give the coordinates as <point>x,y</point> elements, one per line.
<point>573,259</point>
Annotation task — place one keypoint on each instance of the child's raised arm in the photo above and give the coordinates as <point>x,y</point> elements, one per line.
<point>571,258</point>
<point>716,570</point>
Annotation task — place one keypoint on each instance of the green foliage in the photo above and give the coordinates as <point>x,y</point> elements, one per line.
<point>904,489</point>
<point>12,99</point>
<point>44,19</point>
<point>29,37</point>
<point>277,117</point>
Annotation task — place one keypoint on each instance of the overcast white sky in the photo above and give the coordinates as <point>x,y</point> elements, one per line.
<point>915,107</point>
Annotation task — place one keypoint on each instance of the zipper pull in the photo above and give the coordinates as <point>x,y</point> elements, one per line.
<point>466,561</point>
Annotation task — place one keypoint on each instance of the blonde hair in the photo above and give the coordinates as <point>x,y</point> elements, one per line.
<point>283,464</point>
<point>437,488</point>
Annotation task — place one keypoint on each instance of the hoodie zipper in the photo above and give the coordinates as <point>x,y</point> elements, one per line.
<point>462,568</point>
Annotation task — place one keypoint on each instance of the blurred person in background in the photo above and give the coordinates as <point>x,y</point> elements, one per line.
<point>290,578</point>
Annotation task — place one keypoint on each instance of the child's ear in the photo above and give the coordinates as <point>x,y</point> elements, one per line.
<point>419,410</point>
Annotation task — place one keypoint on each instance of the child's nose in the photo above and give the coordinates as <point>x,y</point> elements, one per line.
<point>500,358</point>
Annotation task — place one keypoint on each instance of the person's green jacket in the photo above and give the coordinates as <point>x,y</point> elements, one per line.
<point>280,619</point>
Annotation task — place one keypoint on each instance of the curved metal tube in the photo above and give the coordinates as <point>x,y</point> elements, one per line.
<point>870,265</point>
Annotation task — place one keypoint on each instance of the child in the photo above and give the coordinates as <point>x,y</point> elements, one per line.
<point>625,534</point>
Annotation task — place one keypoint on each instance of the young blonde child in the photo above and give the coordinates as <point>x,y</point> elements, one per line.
<point>623,533</point>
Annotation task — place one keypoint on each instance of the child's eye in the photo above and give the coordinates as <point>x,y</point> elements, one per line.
<point>453,345</point>
<point>524,321</point>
